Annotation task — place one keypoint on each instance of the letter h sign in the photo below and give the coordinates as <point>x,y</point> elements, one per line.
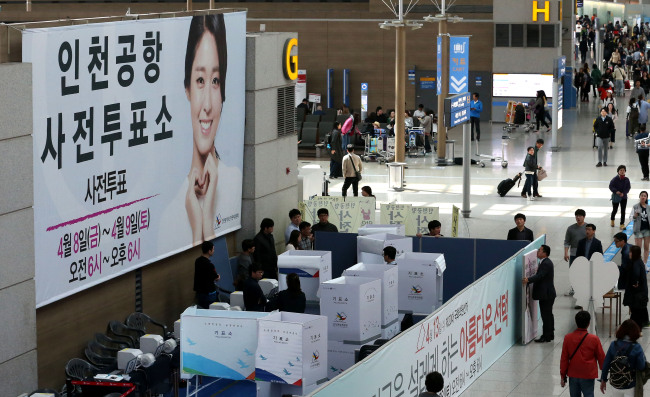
<point>546,10</point>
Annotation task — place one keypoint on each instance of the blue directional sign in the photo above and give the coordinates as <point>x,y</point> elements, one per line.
<point>457,109</point>
<point>439,65</point>
<point>458,64</point>
<point>560,67</point>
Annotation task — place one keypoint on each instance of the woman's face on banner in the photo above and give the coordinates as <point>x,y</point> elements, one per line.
<point>204,94</point>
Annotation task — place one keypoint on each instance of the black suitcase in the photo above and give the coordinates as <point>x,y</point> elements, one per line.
<point>507,184</point>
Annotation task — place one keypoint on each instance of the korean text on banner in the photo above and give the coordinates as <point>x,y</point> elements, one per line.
<point>138,143</point>
<point>461,340</point>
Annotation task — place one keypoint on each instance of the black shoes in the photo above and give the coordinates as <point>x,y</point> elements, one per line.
<point>544,339</point>
<point>599,164</point>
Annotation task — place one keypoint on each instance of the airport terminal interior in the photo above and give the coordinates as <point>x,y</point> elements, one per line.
<point>574,181</point>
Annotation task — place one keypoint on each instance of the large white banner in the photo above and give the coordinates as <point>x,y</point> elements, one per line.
<point>138,143</point>
<point>460,341</point>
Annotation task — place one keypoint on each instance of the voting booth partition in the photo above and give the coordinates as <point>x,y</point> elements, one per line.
<point>313,268</point>
<point>291,353</point>
<point>353,309</point>
<point>397,229</point>
<point>420,282</point>
<point>467,259</point>
<point>461,339</point>
<point>370,248</point>
<point>218,343</point>
<point>390,325</point>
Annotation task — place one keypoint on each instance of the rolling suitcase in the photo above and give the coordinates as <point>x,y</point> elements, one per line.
<point>507,184</point>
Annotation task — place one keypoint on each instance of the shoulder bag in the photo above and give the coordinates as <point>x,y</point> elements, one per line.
<point>616,198</point>
<point>576,350</point>
<point>357,173</point>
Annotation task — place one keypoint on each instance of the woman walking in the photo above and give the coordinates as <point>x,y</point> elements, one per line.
<point>625,344</point>
<point>641,225</point>
<point>620,187</point>
<point>636,289</point>
<point>613,113</point>
<point>539,112</point>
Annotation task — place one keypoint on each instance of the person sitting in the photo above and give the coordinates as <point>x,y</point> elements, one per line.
<point>291,299</point>
<point>319,110</point>
<point>254,299</point>
<point>389,255</point>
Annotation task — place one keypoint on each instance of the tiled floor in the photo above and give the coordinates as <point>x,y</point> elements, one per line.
<point>573,182</point>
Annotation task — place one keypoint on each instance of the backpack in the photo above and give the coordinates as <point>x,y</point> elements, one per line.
<point>634,113</point>
<point>621,375</point>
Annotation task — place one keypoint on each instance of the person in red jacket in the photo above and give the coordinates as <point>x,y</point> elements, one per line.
<point>582,356</point>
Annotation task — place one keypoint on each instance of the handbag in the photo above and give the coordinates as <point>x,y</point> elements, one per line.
<point>357,173</point>
<point>541,174</point>
<point>616,198</point>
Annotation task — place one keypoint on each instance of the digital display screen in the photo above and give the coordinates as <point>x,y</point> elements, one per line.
<point>521,85</point>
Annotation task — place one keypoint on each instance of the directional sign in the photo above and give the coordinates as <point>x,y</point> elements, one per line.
<point>559,67</point>
<point>458,64</point>
<point>457,109</point>
<point>439,65</point>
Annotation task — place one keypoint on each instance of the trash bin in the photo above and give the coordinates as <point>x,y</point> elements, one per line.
<point>396,176</point>
<point>449,151</point>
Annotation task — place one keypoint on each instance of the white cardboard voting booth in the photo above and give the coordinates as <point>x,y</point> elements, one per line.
<point>313,268</point>
<point>340,356</point>
<point>370,248</point>
<point>397,229</point>
<point>420,282</point>
<point>292,351</point>
<point>388,274</point>
<point>353,309</point>
<point>219,343</point>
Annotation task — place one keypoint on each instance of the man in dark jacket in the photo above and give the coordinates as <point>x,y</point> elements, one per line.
<point>590,244</point>
<point>520,232</point>
<point>603,127</point>
<point>544,292</point>
<point>254,298</point>
<point>265,249</point>
<point>205,276</point>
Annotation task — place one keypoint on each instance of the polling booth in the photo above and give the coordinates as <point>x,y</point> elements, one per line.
<point>370,248</point>
<point>420,282</point>
<point>219,343</point>
<point>353,309</point>
<point>390,325</point>
<point>313,268</point>
<point>461,339</point>
<point>291,353</point>
<point>397,229</point>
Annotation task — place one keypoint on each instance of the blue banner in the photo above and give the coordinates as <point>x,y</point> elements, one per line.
<point>458,64</point>
<point>438,65</point>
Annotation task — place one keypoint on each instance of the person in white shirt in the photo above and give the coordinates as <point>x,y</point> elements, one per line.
<point>420,112</point>
<point>352,168</point>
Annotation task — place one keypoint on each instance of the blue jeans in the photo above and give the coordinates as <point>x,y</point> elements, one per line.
<point>578,387</point>
<point>529,184</point>
<point>619,85</point>
<point>345,139</point>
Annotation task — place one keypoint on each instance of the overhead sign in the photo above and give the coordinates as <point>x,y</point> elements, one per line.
<point>457,109</point>
<point>290,62</point>
<point>546,10</point>
<point>458,64</point>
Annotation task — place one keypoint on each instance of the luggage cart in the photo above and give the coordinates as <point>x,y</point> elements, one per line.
<point>484,158</point>
<point>415,141</point>
<point>374,146</point>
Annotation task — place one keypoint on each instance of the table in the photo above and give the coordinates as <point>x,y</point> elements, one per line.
<point>612,295</point>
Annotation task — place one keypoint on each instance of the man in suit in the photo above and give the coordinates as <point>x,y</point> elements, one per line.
<point>520,232</point>
<point>265,249</point>
<point>590,244</point>
<point>544,292</point>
